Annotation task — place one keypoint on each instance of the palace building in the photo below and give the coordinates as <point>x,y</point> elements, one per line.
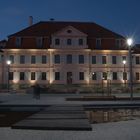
<point>66,53</point>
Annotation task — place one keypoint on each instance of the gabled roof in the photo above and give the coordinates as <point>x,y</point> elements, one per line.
<point>50,27</point>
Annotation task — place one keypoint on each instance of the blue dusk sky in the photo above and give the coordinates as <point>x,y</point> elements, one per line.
<point>120,16</point>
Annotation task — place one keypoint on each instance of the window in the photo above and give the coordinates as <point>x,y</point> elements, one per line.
<point>137,76</point>
<point>80,41</point>
<point>11,57</point>
<point>11,75</point>
<point>43,76</point>
<point>39,42</point>
<point>69,59</point>
<point>81,75</point>
<point>118,42</point>
<point>93,59</point>
<point>69,42</point>
<point>81,59</point>
<point>57,59</point>
<point>69,31</point>
<point>137,60</point>
<point>22,59</point>
<point>98,42</point>
<point>114,75</point>
<point>124,75</point>
<point>103,59</point>
<point>57,41</point>
<point>123,57</point>
<point>33,59</point>
<point>44,59</point>
<point>18,41</point>
<point>57,75</point>
<point>22,76</point>
<point>114,60</point>
<point>104,76</point>
<point>32,75</point>
<point>94,76</point>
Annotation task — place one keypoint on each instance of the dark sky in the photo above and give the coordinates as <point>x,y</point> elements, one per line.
<point>121,16</point>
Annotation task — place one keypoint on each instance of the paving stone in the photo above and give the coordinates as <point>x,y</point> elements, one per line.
<point>58,116</point>
<point>57,124</point>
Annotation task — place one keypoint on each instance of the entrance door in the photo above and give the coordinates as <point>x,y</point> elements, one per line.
<point>69,77</point>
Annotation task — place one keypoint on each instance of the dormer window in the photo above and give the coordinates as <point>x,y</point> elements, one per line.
<point>69,31</point>
<point>69,42</point>
<point>39,42</point>
<point>118,42</point>
<point>98,42</point>
<point>18,41</point>
<point>57,41</point>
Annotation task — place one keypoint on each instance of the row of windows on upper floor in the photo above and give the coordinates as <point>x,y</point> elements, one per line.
<point>69,59</point>
<point>69,41</point>
<point>44,76</point>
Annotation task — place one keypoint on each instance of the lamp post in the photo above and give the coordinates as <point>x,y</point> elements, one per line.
<point>8,70</point>
<point>124,75</point>
<point>129,43</point>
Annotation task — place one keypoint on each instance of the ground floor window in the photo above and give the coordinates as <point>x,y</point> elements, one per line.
<point>57,75</point>
<point>81,75</point>
<point>32,75</point>
<point>43,76</point>
<point>124,76</point>
<point>104,76</point>
<point>137,76</point>
<point>22,76</point>
<point>94,76</point>
<point>115,77</point>
<point>11,76</point>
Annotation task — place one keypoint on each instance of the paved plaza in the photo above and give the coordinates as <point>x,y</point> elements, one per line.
<point>123,130</point>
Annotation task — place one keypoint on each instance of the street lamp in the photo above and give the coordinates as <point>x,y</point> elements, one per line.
<point>129,43</point>
<point>124,75</point>
<point>8,70</point>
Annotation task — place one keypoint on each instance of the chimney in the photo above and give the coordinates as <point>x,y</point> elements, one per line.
<point>30,20</point>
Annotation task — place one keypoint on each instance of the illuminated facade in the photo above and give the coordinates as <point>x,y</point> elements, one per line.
<point>66,53</point>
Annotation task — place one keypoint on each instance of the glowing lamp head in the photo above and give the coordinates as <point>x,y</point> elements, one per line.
<point>124,61</point>
<point>8,62</point>
<point>129,41</point>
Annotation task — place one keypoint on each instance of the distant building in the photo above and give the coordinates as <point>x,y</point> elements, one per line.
<point>67,53</point>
